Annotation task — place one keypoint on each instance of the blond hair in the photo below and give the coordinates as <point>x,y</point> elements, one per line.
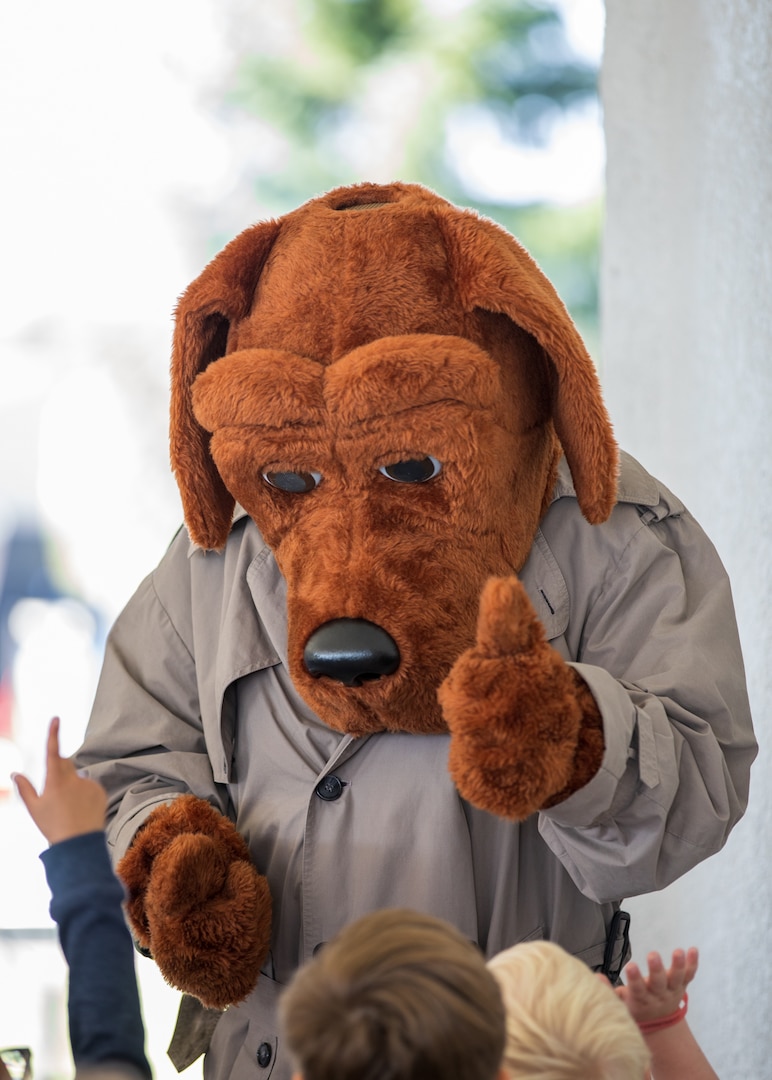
<point>397,995</point>
<point>563,1022</point>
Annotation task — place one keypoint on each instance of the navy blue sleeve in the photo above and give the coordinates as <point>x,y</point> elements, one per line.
<point>105,1018</point>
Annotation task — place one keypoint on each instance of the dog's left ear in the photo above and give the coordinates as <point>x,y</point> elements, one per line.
<point>221,295</point>
<point>494,272</point>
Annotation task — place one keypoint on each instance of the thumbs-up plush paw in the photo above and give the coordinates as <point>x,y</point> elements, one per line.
<point>519,716</point>
<point>197,902</point>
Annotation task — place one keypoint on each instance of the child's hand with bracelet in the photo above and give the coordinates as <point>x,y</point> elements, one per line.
<point>658,1003</point>
<point>660,999</point>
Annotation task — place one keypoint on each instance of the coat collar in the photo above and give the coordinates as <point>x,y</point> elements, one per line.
<point>635,485</point>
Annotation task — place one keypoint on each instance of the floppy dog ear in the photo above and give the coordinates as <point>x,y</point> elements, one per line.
<point>494,272</point>
<point>220,296</point>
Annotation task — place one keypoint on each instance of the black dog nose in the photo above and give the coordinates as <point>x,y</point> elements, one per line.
<point>352,651</point>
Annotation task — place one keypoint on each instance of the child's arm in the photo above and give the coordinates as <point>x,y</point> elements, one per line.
<point>658,1004</point>
<point>105,1019</point>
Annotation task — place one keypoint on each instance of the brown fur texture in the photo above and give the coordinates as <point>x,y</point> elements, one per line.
<point>196,902</point>
<point>384,324</point>
<point>374,325</point>
<point>500,760</point>
<point>369,262</point>
<point>381,549</point>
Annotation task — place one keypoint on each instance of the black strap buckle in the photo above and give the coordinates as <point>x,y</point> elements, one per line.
<point>620,926</point>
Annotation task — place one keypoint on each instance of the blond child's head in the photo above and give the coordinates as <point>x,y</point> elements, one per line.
<point>563,1021</point>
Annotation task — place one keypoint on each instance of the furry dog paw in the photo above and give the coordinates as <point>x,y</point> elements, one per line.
<point>525,730</point>
<point>196,901</point>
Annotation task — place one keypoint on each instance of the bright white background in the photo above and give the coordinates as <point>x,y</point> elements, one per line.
<point>687,350</point>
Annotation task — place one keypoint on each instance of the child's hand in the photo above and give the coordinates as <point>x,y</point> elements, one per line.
<point>662,991</point>
<point>69,805</point>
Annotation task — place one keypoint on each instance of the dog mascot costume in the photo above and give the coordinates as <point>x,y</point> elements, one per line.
<point>428,640</point>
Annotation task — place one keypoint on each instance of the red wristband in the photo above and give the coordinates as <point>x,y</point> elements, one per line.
<point>648,1027</point>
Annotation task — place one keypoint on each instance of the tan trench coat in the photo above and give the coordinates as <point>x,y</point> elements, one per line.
<point>194,696</point>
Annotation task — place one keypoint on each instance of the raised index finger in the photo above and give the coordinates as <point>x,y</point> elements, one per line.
<point>57,767</point>
<point>52,743</point>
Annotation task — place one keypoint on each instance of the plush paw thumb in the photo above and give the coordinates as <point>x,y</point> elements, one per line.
<point>507,623</point>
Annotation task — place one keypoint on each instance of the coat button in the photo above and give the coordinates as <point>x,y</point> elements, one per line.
<point>330,788</point>
<point>264,1054</point>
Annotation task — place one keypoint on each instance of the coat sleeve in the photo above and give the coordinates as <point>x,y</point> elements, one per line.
<point>105,1018</point>
<point>659,648</point>
<point>145,739</point>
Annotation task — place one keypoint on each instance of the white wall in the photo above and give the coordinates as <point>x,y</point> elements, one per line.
<point>686,364</point>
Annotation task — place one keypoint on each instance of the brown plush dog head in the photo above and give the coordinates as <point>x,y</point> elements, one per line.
<point>385,383</point>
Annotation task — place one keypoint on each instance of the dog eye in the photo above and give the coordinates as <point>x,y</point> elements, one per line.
<point>413,471</point>
<point>297,483</point>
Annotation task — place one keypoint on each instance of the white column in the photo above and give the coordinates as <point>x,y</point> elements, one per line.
<point>687,370</point>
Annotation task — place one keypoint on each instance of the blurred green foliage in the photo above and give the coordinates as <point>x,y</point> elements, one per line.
<point>381,81</point>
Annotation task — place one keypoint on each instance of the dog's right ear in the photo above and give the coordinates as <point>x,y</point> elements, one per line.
<point>219,297</point>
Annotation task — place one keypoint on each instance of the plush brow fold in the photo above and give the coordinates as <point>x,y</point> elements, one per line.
<point>260,388</point>
<point>394,374</point>
<point>275,389</point>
